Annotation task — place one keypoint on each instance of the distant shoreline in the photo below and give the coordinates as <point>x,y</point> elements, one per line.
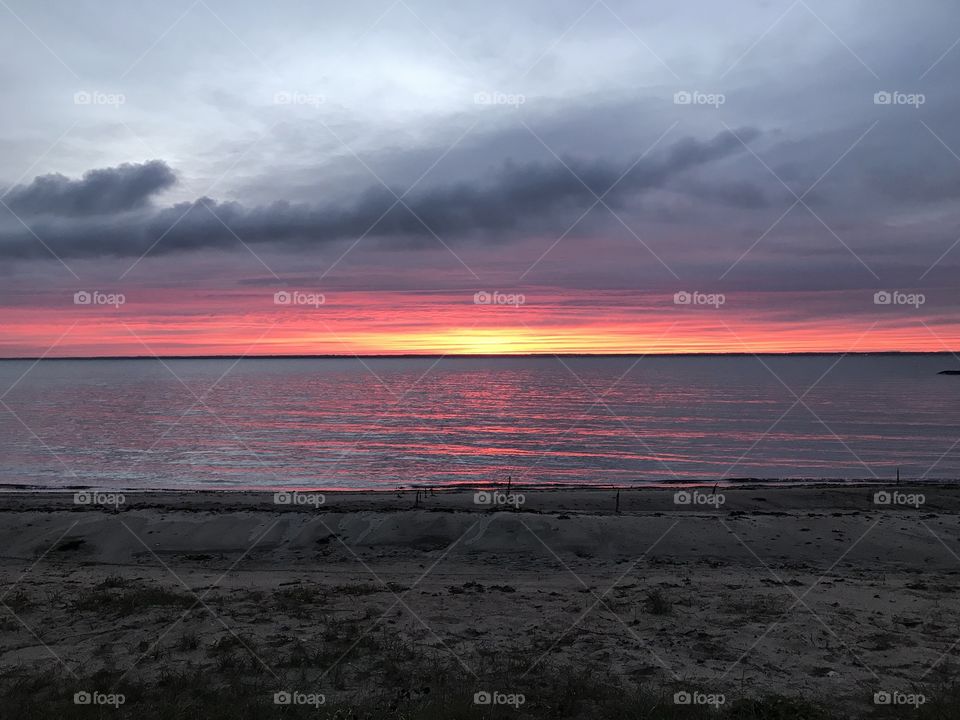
<point>492,356</point>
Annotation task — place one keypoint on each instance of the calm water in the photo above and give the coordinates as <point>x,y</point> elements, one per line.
<point>343,423</point>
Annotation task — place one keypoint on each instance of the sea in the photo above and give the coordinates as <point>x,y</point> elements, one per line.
<point>385,423</point>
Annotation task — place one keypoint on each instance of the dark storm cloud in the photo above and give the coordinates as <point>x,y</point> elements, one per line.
<point>519,196</point>
<point>98,192</point>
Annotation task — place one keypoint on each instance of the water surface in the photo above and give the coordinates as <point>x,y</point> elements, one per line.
<point>379,423</point>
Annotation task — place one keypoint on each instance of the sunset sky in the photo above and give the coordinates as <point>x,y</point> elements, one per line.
<point>215,177</point>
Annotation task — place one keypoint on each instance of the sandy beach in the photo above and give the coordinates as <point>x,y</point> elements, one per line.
<point>404,599</point>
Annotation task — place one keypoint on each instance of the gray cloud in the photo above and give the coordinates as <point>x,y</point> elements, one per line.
<point>518,196</point>
<point>98,192</point>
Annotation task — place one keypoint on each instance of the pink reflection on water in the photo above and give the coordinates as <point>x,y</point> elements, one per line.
<point>333,424</point>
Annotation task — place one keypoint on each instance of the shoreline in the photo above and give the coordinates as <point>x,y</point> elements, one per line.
<point>730,484</point>
<point>763,500</point>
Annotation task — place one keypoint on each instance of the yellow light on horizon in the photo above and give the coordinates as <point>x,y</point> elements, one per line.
<point>480,342</point>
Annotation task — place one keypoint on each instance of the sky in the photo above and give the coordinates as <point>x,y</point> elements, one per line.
<point>212,177</point>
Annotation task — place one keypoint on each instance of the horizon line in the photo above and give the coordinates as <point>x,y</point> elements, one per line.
<point>408,356</point>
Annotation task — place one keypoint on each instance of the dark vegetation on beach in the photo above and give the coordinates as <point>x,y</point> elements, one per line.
<point>374,674</point>
<point>230,693</point>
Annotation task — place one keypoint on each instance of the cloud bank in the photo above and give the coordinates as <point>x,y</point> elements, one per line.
<point>109,213</point>
<point>104,191</point>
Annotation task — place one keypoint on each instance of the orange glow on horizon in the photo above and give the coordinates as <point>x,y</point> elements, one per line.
<point>382,324</point>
